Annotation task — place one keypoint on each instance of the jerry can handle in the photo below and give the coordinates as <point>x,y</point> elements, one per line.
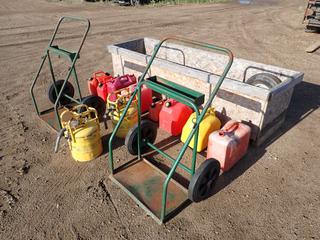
<point>60,134</point>
<point>231,128</point>
<point>124,78</point>
<point>99,73</point>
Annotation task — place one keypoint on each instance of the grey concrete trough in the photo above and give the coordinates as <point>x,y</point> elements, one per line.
<point>263,109</point>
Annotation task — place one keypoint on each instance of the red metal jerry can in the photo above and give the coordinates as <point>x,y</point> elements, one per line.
<point>229,144</point>
<point>97,77</point>
<point>173,116</point>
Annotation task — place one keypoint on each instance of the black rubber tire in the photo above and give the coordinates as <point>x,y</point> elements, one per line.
<point>97,103</point>
<point>68,89</point>
<point>264,80</point>
<point>203,181</point>
<point>148,131</point>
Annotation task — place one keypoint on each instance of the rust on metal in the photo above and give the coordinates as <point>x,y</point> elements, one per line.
<point>145,181</point>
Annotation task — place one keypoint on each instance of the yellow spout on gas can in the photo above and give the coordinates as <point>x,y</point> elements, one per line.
<point>82,130</point>
<point>209,124</point>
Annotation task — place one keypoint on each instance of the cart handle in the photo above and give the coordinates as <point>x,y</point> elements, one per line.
<point>72,18</point>
<point>191,42</point>
<point>199,119</point>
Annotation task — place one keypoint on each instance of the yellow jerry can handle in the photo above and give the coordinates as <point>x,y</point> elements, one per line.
<point>211,110</point>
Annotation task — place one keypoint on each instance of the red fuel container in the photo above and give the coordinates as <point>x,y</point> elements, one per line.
<point>154,110</point>
<point>97,77</point>
<point>173,115</point>
<point>229,144</point>
<point>120,82</point>
<point>102,90</point>
<point>146,97</point>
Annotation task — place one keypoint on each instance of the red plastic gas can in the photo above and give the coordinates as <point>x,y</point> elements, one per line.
<point>154,110</point>
<point>146,97</point>
<point>229,144</point>
<point>97,77</point>
<point>102,90</point>
<point>173,115</point>
<point>120,82</point>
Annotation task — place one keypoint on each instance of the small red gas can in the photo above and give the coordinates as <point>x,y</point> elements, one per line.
<point>120,82</point>
<point>146,97</point>
<point>97,77</point>
<point>229,144</point>
<point>102,90</point>
<point>173,115</point>
<point>154,110</point>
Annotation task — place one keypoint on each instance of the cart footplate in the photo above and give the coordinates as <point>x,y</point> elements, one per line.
<point>143,182</point>
<point>49,117</point>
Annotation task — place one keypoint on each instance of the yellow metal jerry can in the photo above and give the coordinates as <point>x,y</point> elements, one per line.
<point>81,128</point>
<point>209,124</point>
<point>116,103</point>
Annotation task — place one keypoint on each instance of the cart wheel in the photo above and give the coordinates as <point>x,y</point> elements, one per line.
<point>97,103</point>
<point>148,132</point>
<point>264,80</point>
<point>204,180</point>
<point>68,89</point>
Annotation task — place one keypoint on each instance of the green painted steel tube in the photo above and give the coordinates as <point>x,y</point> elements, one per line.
<point>116,128</point>
<point>34,83</point>
<point>77,83</point>
<point>139,122</point>
<point>199,119</point>
<point>71,98</point>
<point>196,127</point>
<point>73,61</point>
<point>52,74</point>
<point>172,94</point>
<point>184,167</point>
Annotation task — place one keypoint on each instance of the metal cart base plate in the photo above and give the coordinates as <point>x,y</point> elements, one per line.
<point>49,117</point>
<point>142,181</point>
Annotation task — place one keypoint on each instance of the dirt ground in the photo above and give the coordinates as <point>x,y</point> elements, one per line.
<point>273,193</point>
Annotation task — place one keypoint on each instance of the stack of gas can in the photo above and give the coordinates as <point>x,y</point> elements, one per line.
<point>101,84</point>
<point>97,82</point>
<point>116,91</point>
<point>227,145</point>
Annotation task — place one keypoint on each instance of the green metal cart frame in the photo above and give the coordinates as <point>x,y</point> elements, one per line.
<point>147,196</point>
<point>51,115</point>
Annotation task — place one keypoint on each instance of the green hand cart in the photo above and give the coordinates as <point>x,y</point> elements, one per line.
<point>155,191</point>
<point>61,92</point>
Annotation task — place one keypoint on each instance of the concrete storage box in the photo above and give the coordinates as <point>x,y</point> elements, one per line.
<point>263,109</point>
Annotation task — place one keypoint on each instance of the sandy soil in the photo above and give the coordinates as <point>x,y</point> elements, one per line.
<point>273,193</point>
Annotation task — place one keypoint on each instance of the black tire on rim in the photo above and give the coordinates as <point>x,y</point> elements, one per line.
<point>97,103</point>
<point>202,183</point>
<point>264,80</point>
<point>148,132</point>
<point>68,89</point>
